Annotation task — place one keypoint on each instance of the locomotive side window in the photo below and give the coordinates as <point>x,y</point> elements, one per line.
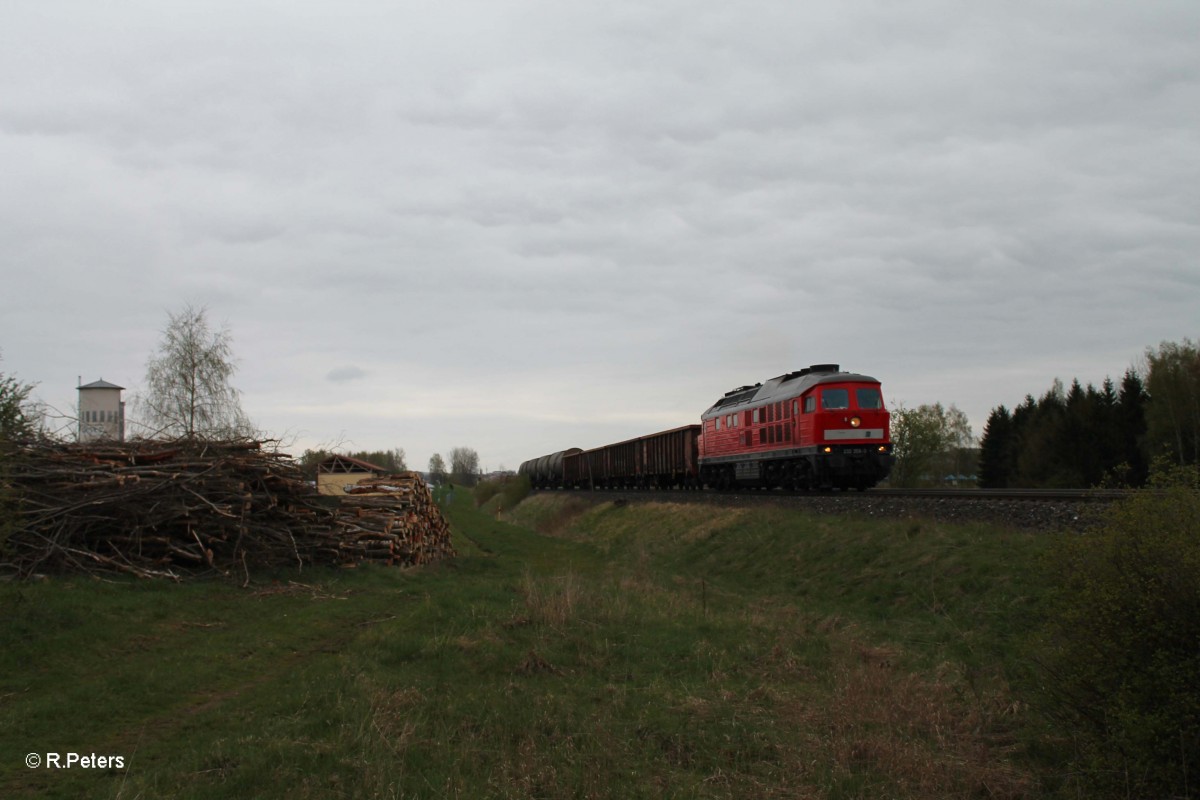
<point>718,425</point>
<point>756,414</point>
<point>810,404</point>
<point>832,399</point>
<point>869,399</point>
<point>795,408</point>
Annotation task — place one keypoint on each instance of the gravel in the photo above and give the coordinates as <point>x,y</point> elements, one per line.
<point>1027,513</point>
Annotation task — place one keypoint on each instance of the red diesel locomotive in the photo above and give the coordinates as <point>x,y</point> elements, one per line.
<point>816,428</point>
<point>813,428</point>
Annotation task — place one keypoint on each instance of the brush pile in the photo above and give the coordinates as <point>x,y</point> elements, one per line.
<point>171,510</point>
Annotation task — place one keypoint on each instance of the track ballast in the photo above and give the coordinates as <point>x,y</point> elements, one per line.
<point>1047,509</point>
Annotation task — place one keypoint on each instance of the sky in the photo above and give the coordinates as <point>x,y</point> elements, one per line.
<point>522,226</point>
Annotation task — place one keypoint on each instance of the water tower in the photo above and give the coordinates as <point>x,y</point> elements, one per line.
<point>101,412</point>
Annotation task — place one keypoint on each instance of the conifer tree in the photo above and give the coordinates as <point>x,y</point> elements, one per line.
<point>996,450</point>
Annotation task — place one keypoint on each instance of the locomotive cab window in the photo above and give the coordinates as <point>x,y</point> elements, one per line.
<point>869,399</point>
<point>810,404</point>
<point>833,399</point>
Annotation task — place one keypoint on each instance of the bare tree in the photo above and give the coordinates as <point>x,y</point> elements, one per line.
<point>437,469</point>
<point>188,393</point>
<point>464,466</point>
<point>397,459</point>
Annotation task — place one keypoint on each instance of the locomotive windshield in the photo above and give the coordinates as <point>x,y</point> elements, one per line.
<point>835,398</point>
<point>869,399</point>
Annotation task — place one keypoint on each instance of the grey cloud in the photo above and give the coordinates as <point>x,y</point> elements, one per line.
<point>346,373</point>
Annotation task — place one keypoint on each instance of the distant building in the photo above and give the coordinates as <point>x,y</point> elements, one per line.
<point>336,472</point>
<point>101,412</point>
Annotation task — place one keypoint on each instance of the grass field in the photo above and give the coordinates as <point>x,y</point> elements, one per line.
<point>572,651</point>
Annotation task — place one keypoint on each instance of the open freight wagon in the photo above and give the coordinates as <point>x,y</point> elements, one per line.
<point>659,460</point>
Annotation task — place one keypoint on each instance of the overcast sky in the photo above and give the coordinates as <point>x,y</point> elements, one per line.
<point>522,226</point>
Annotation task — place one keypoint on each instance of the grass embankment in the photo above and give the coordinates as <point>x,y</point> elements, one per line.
<point>637,651</point>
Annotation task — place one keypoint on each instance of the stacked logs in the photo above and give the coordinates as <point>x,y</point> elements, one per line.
<point>169,510</point>
<point>393,519</point>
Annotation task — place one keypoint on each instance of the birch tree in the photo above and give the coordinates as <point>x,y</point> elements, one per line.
<point>188,390</point>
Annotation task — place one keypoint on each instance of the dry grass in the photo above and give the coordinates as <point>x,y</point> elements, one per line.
<point>554,601</point>
<point>882,731</point>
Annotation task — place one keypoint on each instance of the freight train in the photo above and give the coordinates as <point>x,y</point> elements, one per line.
<point>816,428</point>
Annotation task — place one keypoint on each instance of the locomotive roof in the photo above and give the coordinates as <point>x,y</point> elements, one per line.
<point>782,387</point>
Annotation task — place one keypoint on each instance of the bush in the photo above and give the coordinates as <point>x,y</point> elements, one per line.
<point>15,418</point>
<point>486,490</point>
<point>1122,666</point>
<point>510,490</point>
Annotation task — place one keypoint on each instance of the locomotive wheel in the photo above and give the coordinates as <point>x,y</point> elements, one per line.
<point>804,480</point>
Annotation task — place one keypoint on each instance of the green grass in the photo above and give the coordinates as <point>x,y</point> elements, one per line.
<point>641,651</point>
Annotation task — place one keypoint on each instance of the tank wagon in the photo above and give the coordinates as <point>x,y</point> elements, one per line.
<point>547,472</point>
<point>815,428</point>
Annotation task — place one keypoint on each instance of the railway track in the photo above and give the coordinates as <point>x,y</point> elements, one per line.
<point>1022,508</point>
<point>1075,495</point>
<point>1044,495</point>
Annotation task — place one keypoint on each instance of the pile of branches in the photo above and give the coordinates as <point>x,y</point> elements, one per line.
<point>170,510</point>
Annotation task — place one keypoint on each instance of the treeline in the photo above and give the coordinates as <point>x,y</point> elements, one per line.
<point>1085,436</point>
<point>463,468</point>
<point>391,460</point>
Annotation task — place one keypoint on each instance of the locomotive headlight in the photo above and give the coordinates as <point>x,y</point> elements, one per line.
<point>828,449</point>
<point>882,449</point>
<point>855,422</point>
